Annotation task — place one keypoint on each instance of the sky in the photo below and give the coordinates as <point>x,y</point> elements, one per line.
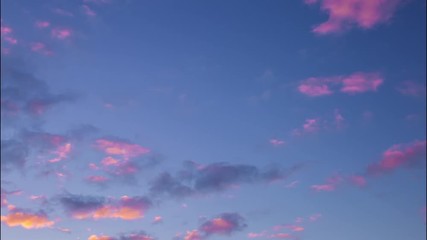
<point>210,120</point>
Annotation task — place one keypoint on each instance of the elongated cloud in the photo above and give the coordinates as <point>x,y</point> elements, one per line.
<point>400,155</point>
<point>26,219</point>
<point>121,148</point>
<point>355,83</point>
<point>361,82</point>
<point>195,179</point>
<point>86,207</point>
<point>141,235</point>
<point>343,14</point>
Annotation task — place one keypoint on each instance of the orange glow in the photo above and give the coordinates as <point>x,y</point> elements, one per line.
<point>27,220</point>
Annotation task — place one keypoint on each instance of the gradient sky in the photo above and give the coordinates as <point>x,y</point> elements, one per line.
<point>209,120</point>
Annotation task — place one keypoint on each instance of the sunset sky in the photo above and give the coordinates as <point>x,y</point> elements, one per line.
<point>211,120</point>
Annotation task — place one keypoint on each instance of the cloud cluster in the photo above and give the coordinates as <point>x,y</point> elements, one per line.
<point>355,83</point>
<point>343,14</point>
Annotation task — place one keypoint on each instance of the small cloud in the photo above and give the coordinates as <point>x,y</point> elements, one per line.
<point>157,220</point>
<point>121,148</point>
<point>42,24</point>
<point>276,142</point>
<point>61,33</point>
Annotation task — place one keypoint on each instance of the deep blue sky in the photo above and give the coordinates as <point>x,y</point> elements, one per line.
<point>228,119</point>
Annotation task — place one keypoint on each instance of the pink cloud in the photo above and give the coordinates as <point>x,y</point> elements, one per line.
<point>310,125</point>
<point>5,30</point>
<point>42,24</point>
<point>314,87</point>
<point>11,40</point>
<point>399,155</point>
<point>61,33</point>
<point>358,180</point>
<point>157,219</point>
<point>193,235</point>
<point>361,82</point>
<point>281,236</point>
<point>62,152</point>
<point>110,161</point>
<point>323,187</point>
<point>41,48</point>
<point>411,88</point>
<point>257,235</point>
<point>276,142</point>
<point>343,14</point>
<point>357,82</point>
<point>88,11</point>
<point>97,179</point>
<point>330,185</point>
<point>315,217</point>
<point>121,148</point>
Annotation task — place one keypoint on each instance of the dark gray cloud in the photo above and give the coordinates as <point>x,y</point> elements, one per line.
<point>196,179</point>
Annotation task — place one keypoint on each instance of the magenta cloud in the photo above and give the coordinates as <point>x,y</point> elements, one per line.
<point>399,155</point>
<point>355,83</point>
<point>344,14</point>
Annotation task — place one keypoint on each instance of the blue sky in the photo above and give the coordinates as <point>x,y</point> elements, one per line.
<point>190,120</point>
